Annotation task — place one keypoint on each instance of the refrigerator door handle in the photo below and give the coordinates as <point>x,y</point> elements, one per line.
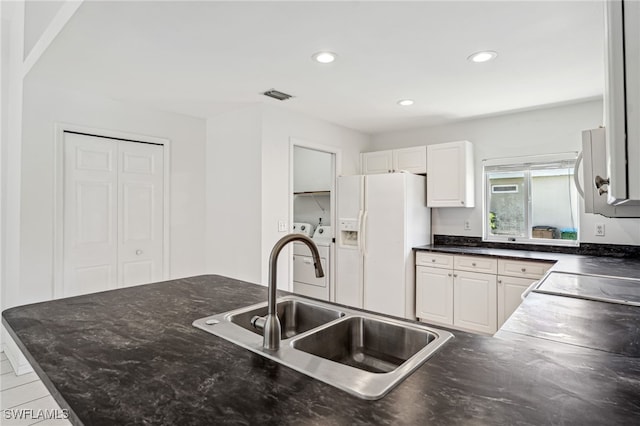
<point>364,233</point>
<point>360,230</point>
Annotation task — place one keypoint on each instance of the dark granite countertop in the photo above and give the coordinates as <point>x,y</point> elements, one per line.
<point>131,356</point>
<point>580,264</point>
<point>608,327</point>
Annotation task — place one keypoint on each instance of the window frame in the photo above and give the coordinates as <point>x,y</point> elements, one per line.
<point>524,165</point>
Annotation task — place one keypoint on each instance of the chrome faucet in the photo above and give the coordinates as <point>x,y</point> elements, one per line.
<point>270,324</point>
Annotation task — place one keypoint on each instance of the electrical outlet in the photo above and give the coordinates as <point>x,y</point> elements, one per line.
<point>599,230</point>
<point>467,225</point>
<point>282,226</point>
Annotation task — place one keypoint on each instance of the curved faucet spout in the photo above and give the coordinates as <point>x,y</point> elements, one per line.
<point>272,329</point>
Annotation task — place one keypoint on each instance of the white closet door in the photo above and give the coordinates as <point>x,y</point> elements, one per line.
<point>113,213</point>
<point>140,215</point>
<point>90,214</point>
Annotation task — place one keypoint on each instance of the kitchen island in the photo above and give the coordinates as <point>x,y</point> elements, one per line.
<point>131,356</point>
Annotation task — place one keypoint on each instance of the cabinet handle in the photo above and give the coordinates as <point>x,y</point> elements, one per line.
<point>433,260</point>
<point>473,264</point>
<point>461,202</point>
<point>138,252</point>
<point>500,282</point>
<point>455,275</point>
<point>523,270</point>
<point>449,274</point>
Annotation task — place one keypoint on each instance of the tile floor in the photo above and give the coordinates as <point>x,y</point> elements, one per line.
<point>20,394</point>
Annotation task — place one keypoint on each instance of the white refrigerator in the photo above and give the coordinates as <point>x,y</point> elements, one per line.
<point>380,219</point>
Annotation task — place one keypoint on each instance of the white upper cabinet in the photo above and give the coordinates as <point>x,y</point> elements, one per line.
<point>312,170</point>
<point>412,160</point>
<point>376,162</point>
<point>450,175</point>
<point>622,101</point>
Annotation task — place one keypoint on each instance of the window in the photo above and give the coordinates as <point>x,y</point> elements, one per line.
<point>531,200</point>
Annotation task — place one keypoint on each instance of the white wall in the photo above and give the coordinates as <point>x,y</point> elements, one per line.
<point>234,194</point>
<point>279,126</point>
<point>540,131</point>
<point>12,44</point>
<point>43,107</point>
<point>248,184</point>
<point>37,17</point>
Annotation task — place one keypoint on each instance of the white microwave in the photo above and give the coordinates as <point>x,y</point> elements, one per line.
<point>622,102</point>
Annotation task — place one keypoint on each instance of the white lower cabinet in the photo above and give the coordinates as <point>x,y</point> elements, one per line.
<point>474,301</point>
<point>434,294</point>
<point>464,291</point>
<point>509,291</point>
<point>514,277</point>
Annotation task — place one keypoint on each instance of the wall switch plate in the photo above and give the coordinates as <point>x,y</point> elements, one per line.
<point>467,225</point>
<point>282,226</point>
<point>599,230</point>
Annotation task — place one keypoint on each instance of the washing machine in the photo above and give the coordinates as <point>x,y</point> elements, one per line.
<point>303,228</point>
<point>304,273</point>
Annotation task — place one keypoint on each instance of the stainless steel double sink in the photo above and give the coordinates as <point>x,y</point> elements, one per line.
<point>364,354</point>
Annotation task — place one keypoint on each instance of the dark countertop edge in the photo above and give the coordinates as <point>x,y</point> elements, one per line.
<point>508,335</point>
<point>605,266</point>
<point>73,417</point>
<point>583,248</point>
<point>501,253</point>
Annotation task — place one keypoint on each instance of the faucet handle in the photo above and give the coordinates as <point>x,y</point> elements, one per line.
<point>258,322</point>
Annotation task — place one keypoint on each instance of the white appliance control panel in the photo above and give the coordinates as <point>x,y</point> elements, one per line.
<point>348,224</point>
<point>348,232</point>
<point>303,228</point>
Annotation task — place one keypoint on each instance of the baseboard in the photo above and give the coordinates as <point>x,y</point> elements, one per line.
<point>14,355</point>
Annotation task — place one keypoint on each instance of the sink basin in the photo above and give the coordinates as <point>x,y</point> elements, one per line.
<point>361,353</point>
<point>367,344</point>
<point>296,316</point>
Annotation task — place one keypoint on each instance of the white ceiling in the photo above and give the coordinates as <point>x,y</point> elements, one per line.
<point>203,58</point>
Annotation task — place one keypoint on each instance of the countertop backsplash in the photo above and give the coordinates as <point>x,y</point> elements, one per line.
<point>586,249</point>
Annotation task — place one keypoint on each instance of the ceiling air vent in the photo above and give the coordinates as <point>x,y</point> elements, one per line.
<point>277,95</point>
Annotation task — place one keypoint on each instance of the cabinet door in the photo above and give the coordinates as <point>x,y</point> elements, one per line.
<point>312,170</point>
<point>413,160</point>
<point>509,291</point>
<point>450,175</point>
<point>475,301</point>
<point>376,162</point>
<point>434,294</point>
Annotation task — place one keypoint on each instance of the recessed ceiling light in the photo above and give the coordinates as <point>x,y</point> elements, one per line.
<point>483,56</point>
<point>405,102</point>
<point>324,57</point>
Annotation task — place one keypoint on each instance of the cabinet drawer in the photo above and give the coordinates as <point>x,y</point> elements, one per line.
<point>425,258</point>
<point>523,268</point>
<point>475,264</point>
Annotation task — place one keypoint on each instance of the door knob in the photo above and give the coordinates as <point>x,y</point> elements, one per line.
<point>138,252</point>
